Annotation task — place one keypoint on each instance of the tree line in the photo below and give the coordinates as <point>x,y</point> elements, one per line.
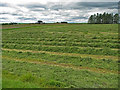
<point>104,18</point>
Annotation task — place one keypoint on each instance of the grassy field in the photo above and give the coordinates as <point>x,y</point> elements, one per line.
<point>60,56</point>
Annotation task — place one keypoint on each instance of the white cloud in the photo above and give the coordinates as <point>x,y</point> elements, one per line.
<point>53,10</point>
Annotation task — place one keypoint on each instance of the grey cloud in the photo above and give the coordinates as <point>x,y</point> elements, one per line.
<point>36,10</point>
<point>97,4</point>
<point>79,17</point>
<point>55,6</point>
<point>24,18</point>
<point>90,5</point>
<point>33,5</point>
<point>14,14</point>
<point>74,5</point>
<point>113,7</point>
<point>46,19</point>
<point>4,13</point>
<point>65,14</point>
<point>36,6</point>
<point>3,18</point>
<point>4,4</point>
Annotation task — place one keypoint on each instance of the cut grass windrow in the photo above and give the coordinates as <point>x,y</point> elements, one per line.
<point>62,65</point>
<point>66,54</point>
<point>115,49</point>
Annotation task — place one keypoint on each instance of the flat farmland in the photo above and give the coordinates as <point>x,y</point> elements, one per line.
<point>60,56</point>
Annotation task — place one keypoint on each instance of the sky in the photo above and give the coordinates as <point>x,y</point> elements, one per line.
<point>50,11</point>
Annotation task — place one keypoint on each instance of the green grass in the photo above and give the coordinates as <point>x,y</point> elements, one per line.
<point>76,61</point>
<point>60,56</point>
<point>67,77</point>
<point>27,81</point>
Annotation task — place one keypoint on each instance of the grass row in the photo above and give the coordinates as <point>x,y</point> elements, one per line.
<point>81,44</point>
<point>59,46</point>
<point>61,77</point>
<point>72,36</point>
<point>108,64</point>
<point>105,51</point>
<point>60,40</point>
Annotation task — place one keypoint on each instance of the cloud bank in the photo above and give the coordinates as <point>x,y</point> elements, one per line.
<point>72,11</point>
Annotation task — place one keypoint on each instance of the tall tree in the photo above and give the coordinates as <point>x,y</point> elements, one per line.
<point>104,18</point>
<point>91,19</point>
<point>116,18</point>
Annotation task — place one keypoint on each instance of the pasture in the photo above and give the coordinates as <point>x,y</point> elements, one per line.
<point>60,56</point>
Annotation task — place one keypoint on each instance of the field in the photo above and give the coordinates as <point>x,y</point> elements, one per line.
<point>60,56</point>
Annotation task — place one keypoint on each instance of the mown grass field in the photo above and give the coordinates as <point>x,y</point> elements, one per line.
<point>60,56</point>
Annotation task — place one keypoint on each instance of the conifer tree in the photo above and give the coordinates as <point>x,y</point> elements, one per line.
<point>104,18</point>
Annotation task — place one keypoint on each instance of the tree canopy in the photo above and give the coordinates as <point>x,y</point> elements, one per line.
<point>104,18</point>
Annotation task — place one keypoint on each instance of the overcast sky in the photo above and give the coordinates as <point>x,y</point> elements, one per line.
<point>77,11</point>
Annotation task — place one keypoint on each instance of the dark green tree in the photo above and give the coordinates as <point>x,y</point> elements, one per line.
<point>91,19</point>
<point>116,18</point>
<point>104,18</point>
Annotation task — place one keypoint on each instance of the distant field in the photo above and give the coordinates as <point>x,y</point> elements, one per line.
<point>60,56</point>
